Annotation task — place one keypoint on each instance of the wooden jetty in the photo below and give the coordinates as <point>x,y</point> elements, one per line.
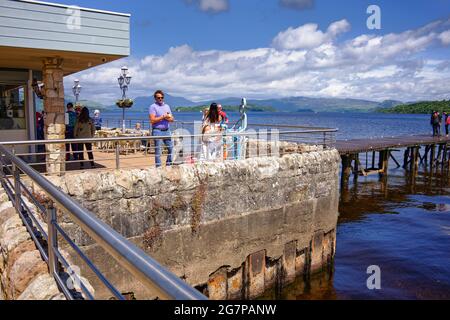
<point>436,152</point>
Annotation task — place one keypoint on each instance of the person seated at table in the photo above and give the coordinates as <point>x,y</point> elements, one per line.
<point>97,120</point>
<point>139,132</point>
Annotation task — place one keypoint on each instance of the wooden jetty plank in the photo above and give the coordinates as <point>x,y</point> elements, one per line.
<point>378,144</point>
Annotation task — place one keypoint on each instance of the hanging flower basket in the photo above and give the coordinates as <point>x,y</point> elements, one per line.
<point>124,103</point>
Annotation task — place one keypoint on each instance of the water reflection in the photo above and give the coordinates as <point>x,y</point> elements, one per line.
<point>401,223</point>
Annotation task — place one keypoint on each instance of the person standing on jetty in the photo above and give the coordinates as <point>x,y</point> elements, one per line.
<point>161,116</point>
<point>446,122</point>
<point>436,123</point>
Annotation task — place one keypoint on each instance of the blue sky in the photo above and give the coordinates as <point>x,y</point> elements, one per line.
<point>202,34</point>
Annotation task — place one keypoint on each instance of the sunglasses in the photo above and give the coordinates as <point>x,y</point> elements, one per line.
<point>160,98</point>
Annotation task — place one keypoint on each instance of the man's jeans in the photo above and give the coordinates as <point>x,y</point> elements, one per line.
<point>158,144</point>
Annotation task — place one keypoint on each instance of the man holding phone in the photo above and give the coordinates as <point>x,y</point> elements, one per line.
<point>160,119</point>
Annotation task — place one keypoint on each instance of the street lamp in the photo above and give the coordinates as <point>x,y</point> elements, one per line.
<point>124,81</point>
<point>76,89</point>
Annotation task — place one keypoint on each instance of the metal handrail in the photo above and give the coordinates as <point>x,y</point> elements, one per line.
<point>137,138</point>
<point>129,256</point>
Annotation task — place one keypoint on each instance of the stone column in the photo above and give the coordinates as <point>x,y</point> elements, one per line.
<point>54,107</point>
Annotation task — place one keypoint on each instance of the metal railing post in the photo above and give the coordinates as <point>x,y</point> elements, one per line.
<point>52,240</point>
<point>16,187</point>
<point>16,174</point>
<point>117,156</point>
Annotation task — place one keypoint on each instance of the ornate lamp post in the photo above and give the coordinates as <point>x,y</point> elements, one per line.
<point>76,89</point>
<point>124,81</point>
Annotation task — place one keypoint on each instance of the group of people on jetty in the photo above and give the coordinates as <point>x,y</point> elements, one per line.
<point>436,123</point>
<point>79,125</point>
<point>213,121</point>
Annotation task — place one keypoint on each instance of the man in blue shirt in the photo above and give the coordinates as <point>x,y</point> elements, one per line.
<point>160,118</point>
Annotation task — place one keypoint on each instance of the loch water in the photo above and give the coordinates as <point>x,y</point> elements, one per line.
<point>400,224</point>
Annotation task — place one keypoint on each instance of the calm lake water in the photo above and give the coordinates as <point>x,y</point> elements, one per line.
<point>399,224</point>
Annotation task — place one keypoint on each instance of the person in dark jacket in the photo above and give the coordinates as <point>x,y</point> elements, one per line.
<point>435,123</point>
<point>71,119</point>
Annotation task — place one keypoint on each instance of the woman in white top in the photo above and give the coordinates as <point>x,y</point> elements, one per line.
<point>212,147</point>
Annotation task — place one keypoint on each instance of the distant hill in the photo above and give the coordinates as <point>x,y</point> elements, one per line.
<point>305,104</point>
<point>289,104</point>
<point>227,108</point>
<point>390,103</point>
<point>423,107</point>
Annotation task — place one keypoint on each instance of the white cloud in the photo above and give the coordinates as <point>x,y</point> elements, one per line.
<point>378,67</point>
<point>297,4</point>
<point>445,37</point>
<point>214,6</point>
<point>308,36</point>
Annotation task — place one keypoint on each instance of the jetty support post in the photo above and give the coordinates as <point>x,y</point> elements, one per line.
<point>416,158</point>
<point>405,158</point>
<point>432,153</point>
<point>346,170</point>
<point>356,166</point>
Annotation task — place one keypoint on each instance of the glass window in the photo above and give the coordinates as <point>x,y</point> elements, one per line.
<point>12,108</point>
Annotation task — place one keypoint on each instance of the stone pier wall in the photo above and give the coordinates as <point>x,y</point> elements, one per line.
<point>23,273</point>
<point>233,229</point>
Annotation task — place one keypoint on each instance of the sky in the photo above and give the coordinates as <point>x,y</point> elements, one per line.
<point>211,49</point>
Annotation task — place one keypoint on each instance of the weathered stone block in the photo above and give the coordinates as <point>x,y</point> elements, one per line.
<point>43,287</point>
<point>13,237</point>
<point>6,214</point>
<point>28,266</point>
<point>5,205</point>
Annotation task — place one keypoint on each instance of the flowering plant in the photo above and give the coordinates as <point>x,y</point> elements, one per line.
<point>124,103</point>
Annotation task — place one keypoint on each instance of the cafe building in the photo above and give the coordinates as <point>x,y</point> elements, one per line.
<point>40,44</point>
